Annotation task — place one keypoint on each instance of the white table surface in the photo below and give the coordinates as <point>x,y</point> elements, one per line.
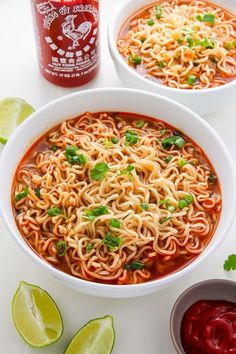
<point>142,324</point>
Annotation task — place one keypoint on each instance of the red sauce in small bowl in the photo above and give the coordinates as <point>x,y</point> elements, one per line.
<point>209,327</point>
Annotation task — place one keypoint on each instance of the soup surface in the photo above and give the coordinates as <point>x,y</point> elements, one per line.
<point>116,198</point>
<point>181,43</point>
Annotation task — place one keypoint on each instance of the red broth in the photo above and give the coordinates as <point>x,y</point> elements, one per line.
<point>209,327</point>
<point>219,78</point>
<point>165,253</point>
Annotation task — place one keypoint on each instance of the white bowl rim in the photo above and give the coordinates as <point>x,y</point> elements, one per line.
<point>112,39</point>
<point>112,288</point>
<point>207,282</point>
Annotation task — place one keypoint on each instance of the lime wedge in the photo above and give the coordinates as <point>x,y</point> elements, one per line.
<point>36,316</point>
<point>13,111</point>
<point>96,337</point>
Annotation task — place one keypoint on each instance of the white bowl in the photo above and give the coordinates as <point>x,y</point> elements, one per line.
<point>126,100</point>
<point>202,101</point>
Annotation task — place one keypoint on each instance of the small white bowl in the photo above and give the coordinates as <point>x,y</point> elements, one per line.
<point>213,289</point>
<point>202,101</point>
<point>118,100</point>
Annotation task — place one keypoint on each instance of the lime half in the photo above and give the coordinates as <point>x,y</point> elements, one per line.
<point>13,111</point>
<point>96,337</point>
<point>36,316</point>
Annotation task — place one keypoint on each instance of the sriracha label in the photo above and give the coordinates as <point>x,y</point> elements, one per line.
<point>67,40</point>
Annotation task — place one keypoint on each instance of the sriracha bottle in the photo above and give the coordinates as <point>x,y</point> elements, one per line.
<point>67,40</point>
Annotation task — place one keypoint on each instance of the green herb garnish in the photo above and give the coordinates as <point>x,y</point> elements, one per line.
<point>182,162</point>
<point>61,248</point>
<point>135,265</point>
<point>209,18</point>
<point>131,137</point>
<point>54,211</point>
<point>144,206</point>
<point>150,22</point>
<point>54,148</point>
<point>164,201</point>
<point>199,18</point>
<point>99,172</point>
<point>180,41</point>
<point>168,158</point>
<point>114,140</point>
<point>73,158</point>
<point>139,123</point>
<point>230,263</point>
<point>206,43</point>
<point>158,12</point>
<point>115,223</point>
<point>165,219</point>
<point>230,45</point>
<point>113,243</point>
<point>37,192</point>
<point>176,140</point>
<point>188,198</point>
<point>171,208</point>
<point>182,204</point>
<point>135,59</point>
<point>161,64</point>
<point>191,80</point>
<point>212,178</point>
<point>89,247</point>
<point>128,169</point>
<point>107,143</point>
<point>92,214</point>
<point>190,41</point>
<point>22,195</point>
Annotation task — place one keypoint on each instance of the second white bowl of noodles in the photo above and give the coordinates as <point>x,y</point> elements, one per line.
<point>202,101</point>
<point>118,100</point>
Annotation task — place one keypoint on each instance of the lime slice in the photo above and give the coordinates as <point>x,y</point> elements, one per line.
<point>13,111</point>
<point>96,337</point>
<point>36,316</point>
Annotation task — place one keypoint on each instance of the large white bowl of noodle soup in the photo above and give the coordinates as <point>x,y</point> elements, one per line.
<point>119,100</point>
<point>202,101</point>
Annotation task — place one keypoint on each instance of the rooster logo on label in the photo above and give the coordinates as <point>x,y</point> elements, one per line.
<point>75,34</point>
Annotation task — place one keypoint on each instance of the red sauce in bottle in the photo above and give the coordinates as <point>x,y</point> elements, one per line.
<point>67,40</point>
<point>209,327</point>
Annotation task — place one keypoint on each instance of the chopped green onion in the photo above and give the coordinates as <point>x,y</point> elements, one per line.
<point>99,171</point>
<point>135,59</point>
<point>168,158</point>
<point>130,137</point>
<point>37,192</point>
<point>190,41</point>
<point>191,79</point>
<point>71,150</point>
<point>113,243</point>
<point>127,170</point>
<point>114,140</point>
<point>206,43</point>
<point>188,198</point>
<point>89,247</point>
<point>61,248</point>
<point>72,156</point>
<point>54,211</point>
<point>182,162</point>
<point>180,41</point>
<point>82,159</point>
<point>164,201</point>
<point>199,18</point>
<point>182,204</point>
<point>179,142</point>
<point>22,195</point>
<point>162,132</point>
<point>54,148</point>
<point>176,140</point>
<point>107,143</point>
<point>92,214</point>
<point>139,123</point>
<point>209,18</point>
<point>165,219</point>
<point>115,223</point>
<point>230,45</point>
<point>212,178</point>
<point>171,208</point>
<point>161,64</point>
<point>158,12</point>
<point>135,265</point>
<point>150,22</point>
<point>144,206</point>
